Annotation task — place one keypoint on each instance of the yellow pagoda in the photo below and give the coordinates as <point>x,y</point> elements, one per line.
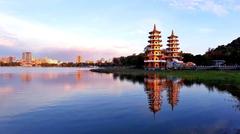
<point>154,57</point>
<point>172,52</point>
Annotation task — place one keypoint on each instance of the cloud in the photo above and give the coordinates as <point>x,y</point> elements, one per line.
<point>237,7</point>
<point>7,41</point>
<point>33,36</point>
<point>217,7</point>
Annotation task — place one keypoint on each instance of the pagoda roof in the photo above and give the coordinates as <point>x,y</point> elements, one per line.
<point>154,30</point>
<point>155,40</point>
<point>171,40</point>
<point>172,35</point>
<point>151,36</point>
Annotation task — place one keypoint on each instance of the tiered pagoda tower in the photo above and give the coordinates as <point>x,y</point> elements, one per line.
<point>172,51</point>
<point>154,58</point>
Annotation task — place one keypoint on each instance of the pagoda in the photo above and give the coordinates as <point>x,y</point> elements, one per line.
<point>172,52</point>
<point>154,57</point>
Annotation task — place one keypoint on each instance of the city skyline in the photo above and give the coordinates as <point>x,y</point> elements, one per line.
<point>111,29</point>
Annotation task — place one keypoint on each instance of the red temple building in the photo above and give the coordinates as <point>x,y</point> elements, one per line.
<point>157,58</point>
<point>154,57</point>
<point>172,51</point>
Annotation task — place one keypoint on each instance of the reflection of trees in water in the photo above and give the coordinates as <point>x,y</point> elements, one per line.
<point>234,90</point>
<point>131,78</point>
<point>154,85</point>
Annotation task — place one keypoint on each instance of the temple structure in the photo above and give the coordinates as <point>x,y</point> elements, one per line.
<point>154,57</point>
<point>157,58</point>
<point>172,51</point>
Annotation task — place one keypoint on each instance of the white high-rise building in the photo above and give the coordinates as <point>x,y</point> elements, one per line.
<point>27,57</point>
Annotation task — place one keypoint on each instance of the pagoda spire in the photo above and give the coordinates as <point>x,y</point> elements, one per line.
<point>172,32</point>
<point>154,28</point>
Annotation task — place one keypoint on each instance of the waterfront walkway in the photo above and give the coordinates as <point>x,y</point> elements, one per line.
<point>237,67</point>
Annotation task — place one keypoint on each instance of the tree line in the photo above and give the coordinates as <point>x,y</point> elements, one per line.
<point>132,60</point>
<point>230,53</point>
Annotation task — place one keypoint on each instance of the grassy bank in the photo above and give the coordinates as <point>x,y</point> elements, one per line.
<point>221,77</point>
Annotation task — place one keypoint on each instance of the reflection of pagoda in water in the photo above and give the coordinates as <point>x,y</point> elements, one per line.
<point>173,92</point>
<point>155,85</point>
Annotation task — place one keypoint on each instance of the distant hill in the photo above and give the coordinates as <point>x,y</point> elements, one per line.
<point>230,53</point>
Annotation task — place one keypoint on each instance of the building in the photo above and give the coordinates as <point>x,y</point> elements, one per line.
<point>8,59</point>
<point>79,59</point>
<point>157,58</point>
<point>172,52</point>
<point>46,60</point>
<point>27,57</point>
<point>154,56</point>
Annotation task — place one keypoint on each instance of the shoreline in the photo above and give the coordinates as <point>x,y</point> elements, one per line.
<point>216,76</point>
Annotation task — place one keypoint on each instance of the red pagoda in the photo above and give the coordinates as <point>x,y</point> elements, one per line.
<point>154,57</point>
<point>172,51</point>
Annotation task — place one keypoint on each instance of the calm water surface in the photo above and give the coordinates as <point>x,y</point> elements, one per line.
<point>73,100</point>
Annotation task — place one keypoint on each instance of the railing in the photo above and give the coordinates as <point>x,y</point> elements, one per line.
<point>154,60</point>
<point>157,49</point>
<point>236,67</point>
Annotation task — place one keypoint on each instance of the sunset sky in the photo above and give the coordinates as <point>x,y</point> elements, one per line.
<point>63,29</point>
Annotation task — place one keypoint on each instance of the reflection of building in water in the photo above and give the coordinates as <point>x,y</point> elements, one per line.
<point>78,75</point>
<point>26,77</point>
<point>6,76</point>
<point>155,85</point>
<point>173,92</point>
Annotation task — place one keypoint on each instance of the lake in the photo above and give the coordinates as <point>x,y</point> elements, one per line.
<point>74,100</point>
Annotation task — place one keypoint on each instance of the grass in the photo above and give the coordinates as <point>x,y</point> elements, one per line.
<point>216,76</point>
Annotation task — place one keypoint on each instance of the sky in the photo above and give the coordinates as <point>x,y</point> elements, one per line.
<point>94,29</point>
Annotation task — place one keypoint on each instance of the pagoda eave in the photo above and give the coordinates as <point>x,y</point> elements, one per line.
<point>151,41</point>
<point>151,36</point>
<point>173,36</point>
<point>155,32</point>
<point>173,41</point>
